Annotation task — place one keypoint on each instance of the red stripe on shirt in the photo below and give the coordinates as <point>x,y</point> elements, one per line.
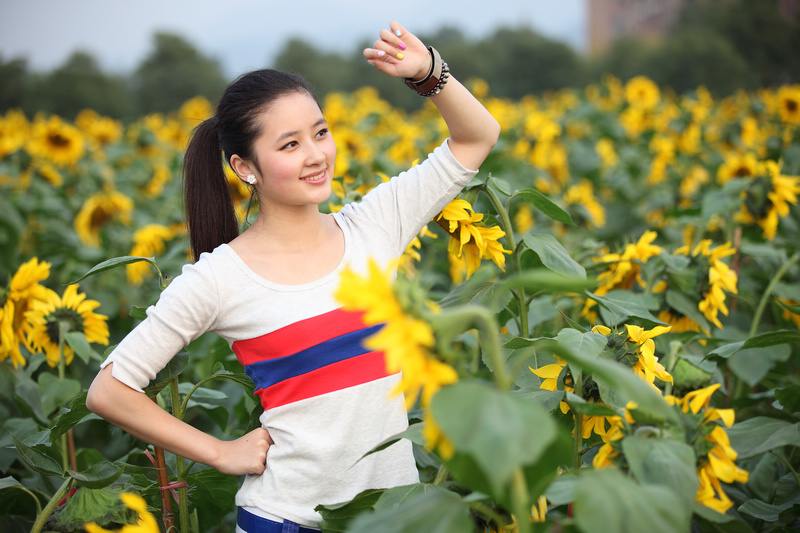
<point>298,336</point>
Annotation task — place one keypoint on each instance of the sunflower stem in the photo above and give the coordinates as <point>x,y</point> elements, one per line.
<point>768,291</point>
<point>51,506</point>
<point>67,452</point>
<point>488,323</point>
<point>519,501</point>
<point>183,501</point>
<point>577,458</point>
<point>505,223</point>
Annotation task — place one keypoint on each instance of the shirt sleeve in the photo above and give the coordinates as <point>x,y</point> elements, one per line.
<point>186,309</point>
<point>402,206</point>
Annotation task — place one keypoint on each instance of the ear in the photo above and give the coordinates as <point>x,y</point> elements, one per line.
<point>242,167</point>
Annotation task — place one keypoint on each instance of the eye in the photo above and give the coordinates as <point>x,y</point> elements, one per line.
<point>323,132</point>
<point>290,144</point>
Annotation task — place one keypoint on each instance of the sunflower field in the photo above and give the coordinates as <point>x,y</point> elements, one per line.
<point>602,333</point>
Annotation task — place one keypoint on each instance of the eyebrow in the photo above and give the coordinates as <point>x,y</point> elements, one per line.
<point>288,134</point>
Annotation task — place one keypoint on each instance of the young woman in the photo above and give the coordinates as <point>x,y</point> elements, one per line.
<point>268,291</point>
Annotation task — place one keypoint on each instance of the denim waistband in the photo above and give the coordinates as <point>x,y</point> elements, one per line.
<point>255,524</point>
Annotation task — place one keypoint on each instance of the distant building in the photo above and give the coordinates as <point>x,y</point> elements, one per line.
<point>608,20</point>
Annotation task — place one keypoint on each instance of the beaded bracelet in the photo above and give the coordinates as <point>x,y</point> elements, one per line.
<point>436,78</point>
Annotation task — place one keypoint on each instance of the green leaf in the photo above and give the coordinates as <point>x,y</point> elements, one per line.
<point>752,364</point>
<point>337,517</point>
<point>618,385</point>
<point>588,344</point>
<point>77,341</point>
<point>16,499</point>
<point>114,263</point>
<point>606,500</point>
<point>69,416</point>
<point>412,433</point>
<point>765,511</point>
<point>660,461</point>
<point>761,434</point>
<point>97,476</point>
<point>681,303</point>
<point>138,313</point>
<point>501,185</point>
<point>28,400</point>
<point>553,255</point>
<point>772,338</point>
<point>57,392</point>
<point>212,495</point>
<point>37,460</point>
<point>617,307</point>
<point>545,205</point>
<point>173,369</point>
<point>431,509</point>
<point>478,289</point>
<point>789,398</point>
<point>494,433</point>
<point>545,280</point>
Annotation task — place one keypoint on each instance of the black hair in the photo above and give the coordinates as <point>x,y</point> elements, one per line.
<point>210,215</point>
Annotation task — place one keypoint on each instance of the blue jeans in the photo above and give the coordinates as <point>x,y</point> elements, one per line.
<point>255,524</point>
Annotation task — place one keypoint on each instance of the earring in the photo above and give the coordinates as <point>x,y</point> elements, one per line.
<point>251,179</point>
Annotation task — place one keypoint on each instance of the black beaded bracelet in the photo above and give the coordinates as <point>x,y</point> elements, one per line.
<point>436,78</point>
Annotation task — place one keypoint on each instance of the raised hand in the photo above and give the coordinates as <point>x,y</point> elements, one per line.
<point>399,53</point>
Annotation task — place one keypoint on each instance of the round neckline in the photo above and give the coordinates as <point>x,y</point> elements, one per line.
<point>300,287</point>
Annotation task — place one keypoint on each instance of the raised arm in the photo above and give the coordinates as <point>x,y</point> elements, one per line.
<point>473,130</point>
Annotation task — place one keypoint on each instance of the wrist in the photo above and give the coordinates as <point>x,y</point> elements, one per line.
<point>435,79</point>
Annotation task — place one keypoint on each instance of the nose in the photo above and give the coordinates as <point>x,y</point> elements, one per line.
<point>314,154</point>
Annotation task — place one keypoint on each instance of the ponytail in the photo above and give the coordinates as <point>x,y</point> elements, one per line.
<point>210,216</point>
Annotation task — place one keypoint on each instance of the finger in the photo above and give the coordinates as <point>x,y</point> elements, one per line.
<point>396,28</point>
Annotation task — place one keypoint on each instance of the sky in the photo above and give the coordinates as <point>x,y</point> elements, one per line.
<point>248,34</point>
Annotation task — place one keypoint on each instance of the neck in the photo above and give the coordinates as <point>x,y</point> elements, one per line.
<point>290,229</point>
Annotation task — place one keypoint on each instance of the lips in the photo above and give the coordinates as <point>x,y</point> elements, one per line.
<point>316,178</point>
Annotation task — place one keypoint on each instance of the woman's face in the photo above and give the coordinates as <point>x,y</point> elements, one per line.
<point>295,153</point>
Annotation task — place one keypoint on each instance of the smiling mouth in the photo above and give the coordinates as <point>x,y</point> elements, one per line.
<point>314,178</point>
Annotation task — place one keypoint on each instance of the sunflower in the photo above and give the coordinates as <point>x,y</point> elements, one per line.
<point>470,241</point>
<point>642,93</point>
<point>100,131</point>
<point>23,290</point>
<point>624,270</point>
<point>767,198</point>
<point>14,130</point>
<point>635,348</point>
<point>715,456</point>
<point>60,143</point>
<point>582,195</point>
<point>97,211</point>
<point>605,151</point>
<point>72,310</point>
<point>789,103</point>
<point>147,242</point>
<point>405,339</point>
<point>146,523</point>
<point>737,166</point>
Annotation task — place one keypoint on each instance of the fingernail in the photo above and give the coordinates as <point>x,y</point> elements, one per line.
<point>381,53</point>
<point>402,45</point>
<point>400,56</point>
<point>398,33</point>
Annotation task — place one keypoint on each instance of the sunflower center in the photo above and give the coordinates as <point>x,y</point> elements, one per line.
<point>756,199</point>
<point>99,217</point>
<point>791,106</point>
<point>73,321</point>
<point>58,140</point>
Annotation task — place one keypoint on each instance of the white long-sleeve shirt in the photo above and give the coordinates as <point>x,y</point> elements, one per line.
<point>327,399</point>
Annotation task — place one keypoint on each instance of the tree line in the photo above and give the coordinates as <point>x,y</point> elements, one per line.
<point>722,45</point>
